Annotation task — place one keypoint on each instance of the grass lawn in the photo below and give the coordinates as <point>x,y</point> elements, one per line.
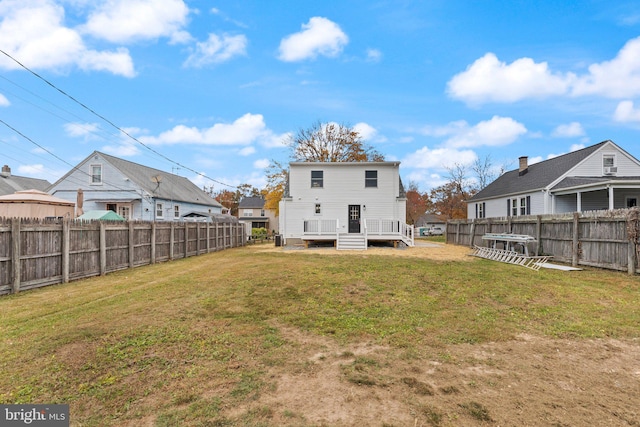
<point>183,343</point>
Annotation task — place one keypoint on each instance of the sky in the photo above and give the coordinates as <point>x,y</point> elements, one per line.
<point>210,90</point>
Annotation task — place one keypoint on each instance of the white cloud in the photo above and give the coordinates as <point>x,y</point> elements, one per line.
<point>246,130</point>
<point>261,164</point>
<point>216,50</point>
<point>41,172</point>
<point>122,21</point>
<point>438,158</point>
<point>366,131</point>
<point>247,151</point>
<point>4,102</point>
<point>319,37</point>
<point>626,112</point>
<point>81,130</point>
<point>569,130</point>
<point>123,149</point>
<point>497,131</point>
<point>617,78</point>
<point>374,55</point>
<point>491,80</point>
<point>576,147</point>
<point>34,34</point>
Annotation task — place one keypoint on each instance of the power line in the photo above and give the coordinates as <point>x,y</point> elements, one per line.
<point>105,120</point>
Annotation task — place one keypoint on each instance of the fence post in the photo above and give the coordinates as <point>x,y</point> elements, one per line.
<point>103,247</point>
<point>472,232</point>
<point>153,242</point>
<point>576,243</point>
<point>186,239</point>
<point>458,233</point>
<point>65,249</point>
<point>632,236</point>
<point>15,255</point>
<point>131,245</point>
<point>538,234</point>
<point>208,237</point>
<point>172,240</point>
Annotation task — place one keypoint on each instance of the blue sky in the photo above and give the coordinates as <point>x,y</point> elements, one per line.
<point>214,87</point>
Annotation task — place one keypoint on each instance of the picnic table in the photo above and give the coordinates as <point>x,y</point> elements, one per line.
<point>510,241</point>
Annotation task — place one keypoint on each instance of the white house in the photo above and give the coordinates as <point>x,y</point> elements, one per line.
<point>134,191</point>
<point>602,176</point>
<point>351,204</point>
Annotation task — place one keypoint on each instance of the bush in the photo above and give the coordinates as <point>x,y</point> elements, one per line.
<point>259,233</point>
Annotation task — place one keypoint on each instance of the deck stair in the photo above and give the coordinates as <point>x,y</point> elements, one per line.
<point>351,241</point>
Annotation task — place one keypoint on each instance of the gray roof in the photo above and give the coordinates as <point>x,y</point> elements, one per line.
<point>251,203</point>
<point>538,175</point>
<point>171,187</point>
<point>10,184</point>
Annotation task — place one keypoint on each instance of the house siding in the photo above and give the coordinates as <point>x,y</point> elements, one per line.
<point>592,166</point>
<point>343,185</point>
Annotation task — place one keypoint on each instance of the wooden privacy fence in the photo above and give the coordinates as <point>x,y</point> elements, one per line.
<point>604,239</point>
<point>35,253</point>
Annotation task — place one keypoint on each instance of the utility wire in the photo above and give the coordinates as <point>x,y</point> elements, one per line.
<point>106,120</point>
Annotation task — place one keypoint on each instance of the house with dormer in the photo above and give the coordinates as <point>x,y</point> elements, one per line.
<point>351,204</point>
<point>598,177</point>
<point>134,191</point>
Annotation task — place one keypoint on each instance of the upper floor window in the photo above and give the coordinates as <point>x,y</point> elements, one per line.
<point>316,179</point>
<point>262,212</point>
<point>176,211</point>
<point>247,212</point>
<point>96,174</point>
<point>609,164</point>
<point>159,211</point>
<point>370,178</point>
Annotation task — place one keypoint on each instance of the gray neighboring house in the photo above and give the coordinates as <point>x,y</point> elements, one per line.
<point>9,183</point>
<point>602,176</point>
<point>134,191</point>
<point>252,213</point>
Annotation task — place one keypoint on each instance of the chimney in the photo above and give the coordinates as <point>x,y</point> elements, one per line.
<point>524,165</point>
<point>6,171</point>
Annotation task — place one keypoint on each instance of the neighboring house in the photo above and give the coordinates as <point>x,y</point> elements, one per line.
<point>252,213</point>
<point>427,223</point>
<point>9,183</point>
<point>602,176</point>
<point>134,191</point>
<point>35,204</point>
<point>351,204</point>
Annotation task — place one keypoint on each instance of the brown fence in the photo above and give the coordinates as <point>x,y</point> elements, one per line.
<point>35,253</point>
<point>605,239</point>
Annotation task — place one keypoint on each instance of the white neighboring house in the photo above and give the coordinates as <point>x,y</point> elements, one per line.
<point>134,191</point>
<point>351,204</point>
<point>602,176</point>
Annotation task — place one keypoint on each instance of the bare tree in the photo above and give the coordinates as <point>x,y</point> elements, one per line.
<point>484,170</point>
<point>330,142</point>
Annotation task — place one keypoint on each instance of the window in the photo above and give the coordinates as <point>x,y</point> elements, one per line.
<point>632,202</point>
<point>262,212</point>
<point>370,179</point>
<point>523,206</point>
<point>316,179</point>
<point>96,174</point>
<point>247,212</point>
<point>176,211</point>
<point>318,210</point>
<point>480,207</point>
<point>159,211</point>
<point>124,212</point>
<point>514,207</point>
<point>112,207</point>
<point>608,160</point>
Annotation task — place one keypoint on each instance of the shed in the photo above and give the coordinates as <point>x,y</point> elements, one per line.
<point>34,204</point>
<point>100,215</point>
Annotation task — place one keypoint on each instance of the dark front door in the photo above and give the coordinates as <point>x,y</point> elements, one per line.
<point>354,218</point>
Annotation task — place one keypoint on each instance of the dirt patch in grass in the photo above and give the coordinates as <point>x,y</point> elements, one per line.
<point>427,250</point>
<point>526,381</point>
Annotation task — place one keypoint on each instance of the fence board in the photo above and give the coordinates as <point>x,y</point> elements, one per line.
<point>35,253</point>
<point>598,239</point>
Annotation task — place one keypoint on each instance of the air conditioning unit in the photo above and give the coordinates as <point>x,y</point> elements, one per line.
<point>612,170</point>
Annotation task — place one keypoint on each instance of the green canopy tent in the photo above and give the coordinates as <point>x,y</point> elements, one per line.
<point>100,215</point>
